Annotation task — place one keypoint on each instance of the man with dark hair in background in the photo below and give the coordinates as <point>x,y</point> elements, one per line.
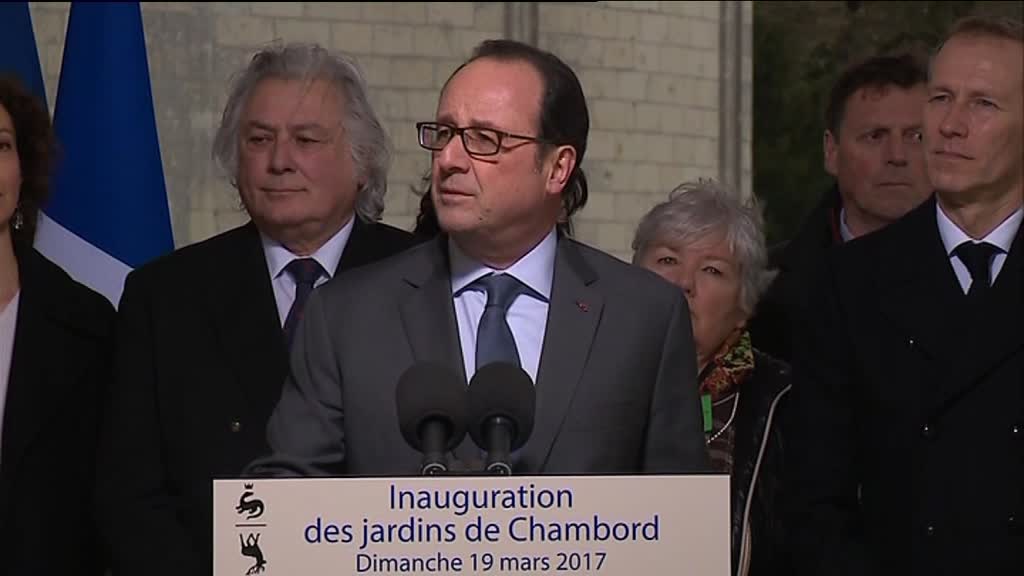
<point>907,439</point>
<point>872,147</point>
<point>607,345</point>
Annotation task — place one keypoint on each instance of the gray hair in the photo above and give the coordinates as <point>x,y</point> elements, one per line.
<point>697,210</point>
<point>369,143</point>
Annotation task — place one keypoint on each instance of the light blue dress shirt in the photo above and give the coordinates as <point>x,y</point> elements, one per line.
<point>278,257</point>
<point>527,317</point>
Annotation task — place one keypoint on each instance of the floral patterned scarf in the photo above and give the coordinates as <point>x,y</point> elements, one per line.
<point>721,380</point>
<point>731,365</point>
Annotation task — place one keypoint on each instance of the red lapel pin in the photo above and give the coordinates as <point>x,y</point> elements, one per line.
<point>582,306</point>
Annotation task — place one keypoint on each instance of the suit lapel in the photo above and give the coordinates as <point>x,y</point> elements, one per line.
<point>44,321</point>
<point>428,318</point>
<point>574,314</point>
<point>246,319</point>
<point>994,333</point>
<point>428,313</point>
<point>917,286</point>
<point>30,386</point>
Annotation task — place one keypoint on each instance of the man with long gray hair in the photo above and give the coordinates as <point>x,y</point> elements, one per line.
<point>204,334</point>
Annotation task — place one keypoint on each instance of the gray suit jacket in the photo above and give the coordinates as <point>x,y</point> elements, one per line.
<point>616,386</point>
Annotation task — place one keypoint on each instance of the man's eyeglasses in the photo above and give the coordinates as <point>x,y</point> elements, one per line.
<point>477,141</point>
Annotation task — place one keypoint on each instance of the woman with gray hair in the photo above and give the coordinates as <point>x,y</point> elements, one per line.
<point>711,245</point>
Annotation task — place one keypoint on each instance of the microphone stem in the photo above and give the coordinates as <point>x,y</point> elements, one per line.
<point>435,438</point>
<point>499,443</point>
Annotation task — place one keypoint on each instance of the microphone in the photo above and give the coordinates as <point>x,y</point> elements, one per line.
<point>501,406</point>
<point>432,410</point>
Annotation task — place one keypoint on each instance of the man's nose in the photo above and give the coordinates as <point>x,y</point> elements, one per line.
<point>953,123</point>
<point>281,159</point>
<point>453,157</point>
<point>896,152</point>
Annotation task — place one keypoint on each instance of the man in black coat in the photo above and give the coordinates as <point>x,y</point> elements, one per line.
<point>908,401</point>
<point>204,334</point>
<point>873,149</point>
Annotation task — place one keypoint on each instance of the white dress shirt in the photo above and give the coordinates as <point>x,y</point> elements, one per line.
<point>278,257</point>
<point>8,324</point>
<point>953,236</point>
<point>527,316</point>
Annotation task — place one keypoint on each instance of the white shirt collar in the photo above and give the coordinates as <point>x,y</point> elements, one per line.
<point>844,231</point>
<point>536,269</point>
<point>952,236</point>
<point>327,255</point>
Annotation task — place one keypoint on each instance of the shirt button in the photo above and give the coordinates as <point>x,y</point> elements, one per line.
<point>927,431</point>
<point>1013,522</point>
<point>929,531</point>
<point>1015,431</point>
<point>911,343</point>
<point>236,426</point>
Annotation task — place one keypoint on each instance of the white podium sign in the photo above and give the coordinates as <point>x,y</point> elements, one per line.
<point>607,525</point>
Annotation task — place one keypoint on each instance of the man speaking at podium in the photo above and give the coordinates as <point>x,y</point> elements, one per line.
<point>608,346</point>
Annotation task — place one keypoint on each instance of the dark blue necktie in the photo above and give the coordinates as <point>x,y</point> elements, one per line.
<point>494,341</point>
<point>305,272</point>
<point>977,257</point>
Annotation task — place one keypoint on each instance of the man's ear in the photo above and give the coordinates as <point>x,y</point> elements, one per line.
<point>831,148</point>
<point>563,162</point>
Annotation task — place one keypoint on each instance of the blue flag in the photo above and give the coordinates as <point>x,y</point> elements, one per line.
<point>19,56</point>
<point>108,207</point>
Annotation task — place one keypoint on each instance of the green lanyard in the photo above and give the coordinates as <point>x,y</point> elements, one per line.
<point>705,404</point>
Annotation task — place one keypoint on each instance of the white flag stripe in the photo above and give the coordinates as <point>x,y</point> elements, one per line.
<point>83,261</point>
